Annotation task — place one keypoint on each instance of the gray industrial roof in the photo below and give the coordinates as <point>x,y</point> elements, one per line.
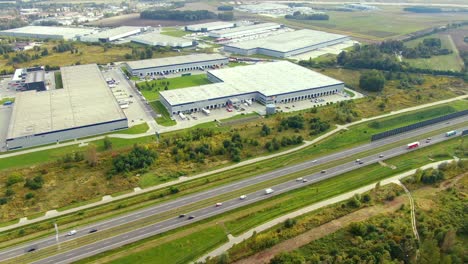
<point>244,28</point>
<point>66,32</point>
<point>211,24</point>
<point>35,76</point>
<point>154,38</point>
<point>159,62</point>
<point>109,33</point>
<point>288,41</point>
<point>84,100</point>
<point>270,79</point>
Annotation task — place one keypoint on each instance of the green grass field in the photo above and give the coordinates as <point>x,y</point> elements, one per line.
<point>181,250</point>
<point>173,32</point>
<point>3,100</point>
<point>137,129</point>
<point>150,89</point>
<point>58,80</point>
<point>165,119</point>
<point>450,62</point>
<point>377,25</point>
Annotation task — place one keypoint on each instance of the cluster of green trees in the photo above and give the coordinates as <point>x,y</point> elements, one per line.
<point>147,53</point>
<point>428,48</point>
<point>345,112</point>
<point>138,158</point>
<point>12,23</point>
<point>300,16</point>
<point>295,122</point>
<point>186,15</point>
<point>423,9</point>
<point>276,144</point>
<point>62,47</point>
<point>225,8</point>
<point>373,81</point>
<point>4,48</point>
<point>318,126</point>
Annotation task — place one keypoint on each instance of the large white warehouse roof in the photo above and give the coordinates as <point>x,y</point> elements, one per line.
<point>210,26</point>
<point>156,39</point>
<point>114,33</point>
<point>270,79</point>
<point>45,31</point>
<point>84,100</point>
<point>289,41</point>
<point>160,62</point>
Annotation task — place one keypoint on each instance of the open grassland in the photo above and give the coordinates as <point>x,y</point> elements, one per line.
<point>137,129</point>
<point>135,20</point>
<point>449,62</point>
<point>375,25</point>
<point>242,219</point>
<point>150,89</point>
<point>85,53</point>
<point>393,97</point>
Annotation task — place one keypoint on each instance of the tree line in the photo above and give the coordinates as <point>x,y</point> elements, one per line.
<point>300,16</point>
<point>186,15</point>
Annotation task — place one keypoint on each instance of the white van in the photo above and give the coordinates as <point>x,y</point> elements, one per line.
<point>71,233</point>
<point>268,191</point>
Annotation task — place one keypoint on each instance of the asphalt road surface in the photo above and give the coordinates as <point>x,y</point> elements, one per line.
<point>147,231</point>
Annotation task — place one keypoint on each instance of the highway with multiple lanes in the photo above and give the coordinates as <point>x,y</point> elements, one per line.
<point>146,231</point>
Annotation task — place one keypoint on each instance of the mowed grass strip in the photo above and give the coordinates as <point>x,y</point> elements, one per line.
<point>165,119</point>
<point>151,89</point>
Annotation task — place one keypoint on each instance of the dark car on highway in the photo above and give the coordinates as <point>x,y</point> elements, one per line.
<point>94,230</point>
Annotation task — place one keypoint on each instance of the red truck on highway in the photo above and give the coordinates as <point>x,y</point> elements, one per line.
<point>413,145</point>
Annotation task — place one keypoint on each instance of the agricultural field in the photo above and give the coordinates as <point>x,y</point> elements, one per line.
<point>389,22</point>
<point>135,20</point>
<point>449,62</point>
<point>458,35</point>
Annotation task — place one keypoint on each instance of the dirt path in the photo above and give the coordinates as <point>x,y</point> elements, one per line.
<point>323,230</point>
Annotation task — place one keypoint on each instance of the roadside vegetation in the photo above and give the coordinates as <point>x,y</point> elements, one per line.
<point>185,153</point>
<point>240,220</point>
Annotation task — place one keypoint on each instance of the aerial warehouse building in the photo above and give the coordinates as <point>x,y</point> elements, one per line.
<point>161,66</point>
<point>206,27</point>
<point>45,32</point>
<point>243,31</point>
<point>266,83</point>
<point>109,35</point>
<point>84,107</point>
<point>286,44</point>
<point>156,39</point>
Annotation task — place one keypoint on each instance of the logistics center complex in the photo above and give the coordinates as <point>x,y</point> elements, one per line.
<point>85,106</point>
<point>267,83</point>
<point>286,44</point>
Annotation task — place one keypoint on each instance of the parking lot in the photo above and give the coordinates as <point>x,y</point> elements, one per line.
<point>219,114</point>
<point>136,109</point>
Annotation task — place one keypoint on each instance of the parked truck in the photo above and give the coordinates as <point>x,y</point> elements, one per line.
<point>206,111</point>
<point>182,116</point>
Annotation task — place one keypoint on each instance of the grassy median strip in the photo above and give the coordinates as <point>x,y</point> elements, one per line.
<point>269,209</point>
